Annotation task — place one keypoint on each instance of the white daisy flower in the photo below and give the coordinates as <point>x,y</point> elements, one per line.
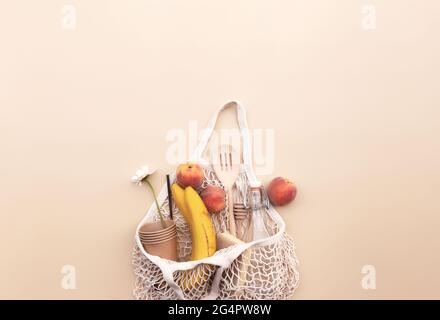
<point>141,174</point>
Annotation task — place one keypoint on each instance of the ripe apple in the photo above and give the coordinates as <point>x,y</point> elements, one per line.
<point>281,191</point>
<point>190,174</point>
<point>214,198</point>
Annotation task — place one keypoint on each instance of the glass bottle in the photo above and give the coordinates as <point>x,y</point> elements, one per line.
<point>258,211</point>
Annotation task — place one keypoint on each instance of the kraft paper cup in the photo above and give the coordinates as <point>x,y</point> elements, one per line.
<point>158,234</point>
<point>156,239</point>
<point>160,242</point>
<point>155,227</point>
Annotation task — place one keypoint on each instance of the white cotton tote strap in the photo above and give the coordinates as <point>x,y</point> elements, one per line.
<point>246,140</point>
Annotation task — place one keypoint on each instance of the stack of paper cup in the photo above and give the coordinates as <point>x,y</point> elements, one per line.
<point>160,241</point>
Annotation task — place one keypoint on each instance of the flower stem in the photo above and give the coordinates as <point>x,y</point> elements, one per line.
<point>162,220</point>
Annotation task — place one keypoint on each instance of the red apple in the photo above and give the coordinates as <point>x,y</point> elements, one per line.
<point>281,191</point>
<point>214,198</point>
<point>190,174</point>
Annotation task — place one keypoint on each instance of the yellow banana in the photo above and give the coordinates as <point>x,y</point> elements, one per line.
<point>195,278</point>
<point>179,199</point>
<point>201,218</point>
<point>202,231</point>
<point>199,221</point>
<point>199,247</point>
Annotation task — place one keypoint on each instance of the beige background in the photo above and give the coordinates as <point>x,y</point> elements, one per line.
<point>355,115</point>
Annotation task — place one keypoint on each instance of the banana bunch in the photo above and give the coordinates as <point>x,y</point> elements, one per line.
<point>202,231</point>
<point>198,219</point>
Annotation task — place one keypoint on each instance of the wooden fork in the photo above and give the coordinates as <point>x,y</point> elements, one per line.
<point>227,169</point>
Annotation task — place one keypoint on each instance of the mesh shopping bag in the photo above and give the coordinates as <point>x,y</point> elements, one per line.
<point>260,269</point>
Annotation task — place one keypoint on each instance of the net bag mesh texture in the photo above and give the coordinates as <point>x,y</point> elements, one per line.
<point>261,272</point>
